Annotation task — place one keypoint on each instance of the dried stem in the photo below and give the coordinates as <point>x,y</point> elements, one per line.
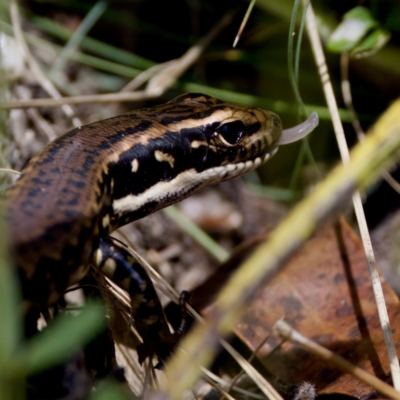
<point>285,331</point>
<point>358,207</point>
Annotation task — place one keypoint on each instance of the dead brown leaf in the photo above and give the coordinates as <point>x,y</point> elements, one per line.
<point>325,293</point>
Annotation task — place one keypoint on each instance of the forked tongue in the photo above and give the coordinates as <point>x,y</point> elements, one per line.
<point>299,131</point>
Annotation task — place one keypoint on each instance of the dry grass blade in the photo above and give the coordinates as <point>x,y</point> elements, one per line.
<point>244,22</point>
<point>145,76</point>
<point>391,181</point>
<point>125,336</point>
<point>38,73</point>
<point>249,360</point>
<point>285,331</point>
<point>312,30</point>
<point>95,98</point>
<point>133,372</point>
<point>159,282</point>
<point>258,379</point>
<point>161,76</point>
<point>208,376</point>
<point>173,70</point>
<point>348,100</point>
<point>42,126</point>
<point>167,289</point>
<point>214,378</point>
<point>11,171</point>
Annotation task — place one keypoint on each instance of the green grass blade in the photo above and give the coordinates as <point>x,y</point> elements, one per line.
<point>76,38</point>
<point>94,46</point>
<point>197,233</point>
<point>65,335</point>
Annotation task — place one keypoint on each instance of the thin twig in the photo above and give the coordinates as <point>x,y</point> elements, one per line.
<point>348,101</point>
<point>257,378</point>
<point>347,97</point>
<point>249,360</point>
<point>248,393</point>
<point>144,76</point>
<point>244,22</point>
<point>41,124</point>
<point>344,151</point>
<point>391,181</point>
<point>9,170</point>
<point>285,331</point>
<point>95,98</point>
<point>166,77</point>
<point>217,386</point>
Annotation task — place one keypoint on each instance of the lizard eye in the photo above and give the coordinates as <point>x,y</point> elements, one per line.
<point>232,132</point>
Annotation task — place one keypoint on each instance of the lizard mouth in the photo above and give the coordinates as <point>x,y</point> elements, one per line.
<point>236,169</point>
